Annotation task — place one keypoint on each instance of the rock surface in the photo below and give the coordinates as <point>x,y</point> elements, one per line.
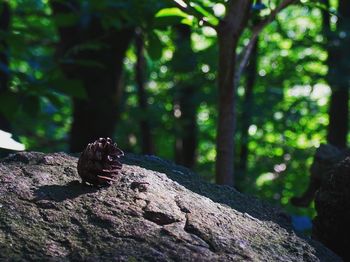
<point>325,160</point>
<point>156,212</point>
<point>332,202</point>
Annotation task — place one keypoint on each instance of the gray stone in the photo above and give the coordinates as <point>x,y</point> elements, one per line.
<point>157,211</point>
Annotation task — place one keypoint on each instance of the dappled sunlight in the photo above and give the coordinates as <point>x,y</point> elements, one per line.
<point>164,78</point>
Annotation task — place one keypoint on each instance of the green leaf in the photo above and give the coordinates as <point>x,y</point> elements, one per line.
<point>174,11</point>
<point>73,88</point>
<point>87,46</point>
<point>187,21</point>
<point>31,105</point>
<point>84,63</point>
<point>155,46</point>
<point>9,104</point>
<point>164,21</point>
<point>171,16</point>
<point>53,97</point>
<point>64,20</point>
<point>212,19</point>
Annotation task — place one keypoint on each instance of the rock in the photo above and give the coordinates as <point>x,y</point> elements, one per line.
<point>326,156</point>
<point>157,211</point>
<point>332,223</point>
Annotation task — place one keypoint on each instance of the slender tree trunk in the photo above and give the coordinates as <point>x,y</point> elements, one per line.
<point>229,32</point>
<point>189,135</point>
<point>338,79</point>
<point>145,129</point>
<point>95,116</point>
<point>246,117</point>
<point>185,101</point>
<point>227,101</point>
<point>4,62</point>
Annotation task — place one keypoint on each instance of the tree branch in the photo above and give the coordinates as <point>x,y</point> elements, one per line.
<point>246,52</point>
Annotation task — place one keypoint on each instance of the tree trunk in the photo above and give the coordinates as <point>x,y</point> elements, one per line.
<point>338,54</point>
<point>145,129</point>
<point>229,32</point>
<point>246,117</point>
<point>4,63</point>
<point>188,139</point>
<point>227,103</point>
<point>338,118</point>
<point>96,115</point>
<point>185,102</point>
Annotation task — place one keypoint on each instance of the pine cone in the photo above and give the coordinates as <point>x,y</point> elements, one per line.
<point>99,162</point>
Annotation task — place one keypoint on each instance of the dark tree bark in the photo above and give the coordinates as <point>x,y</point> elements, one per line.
<point>229,32</point>
<point>338,79</point>
<point>246,117</point>
<point>5,16</point>
<point>186,143</point>
<point>185,99</point>
<point>95,116</point>
<point>145,127</point>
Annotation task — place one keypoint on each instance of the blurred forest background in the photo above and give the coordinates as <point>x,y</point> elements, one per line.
<point>147,74</point>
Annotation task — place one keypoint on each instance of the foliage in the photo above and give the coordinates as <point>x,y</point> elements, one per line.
<point>290,95</point>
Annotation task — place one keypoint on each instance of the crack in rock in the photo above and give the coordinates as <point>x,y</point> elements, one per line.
<point>46,215</point>
<point>162,213</point>
<point>181,205</point>
<point>158,217</point>
<point>191,229</point>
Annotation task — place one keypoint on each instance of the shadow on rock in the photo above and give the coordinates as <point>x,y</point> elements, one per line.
<point>60,193</point>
